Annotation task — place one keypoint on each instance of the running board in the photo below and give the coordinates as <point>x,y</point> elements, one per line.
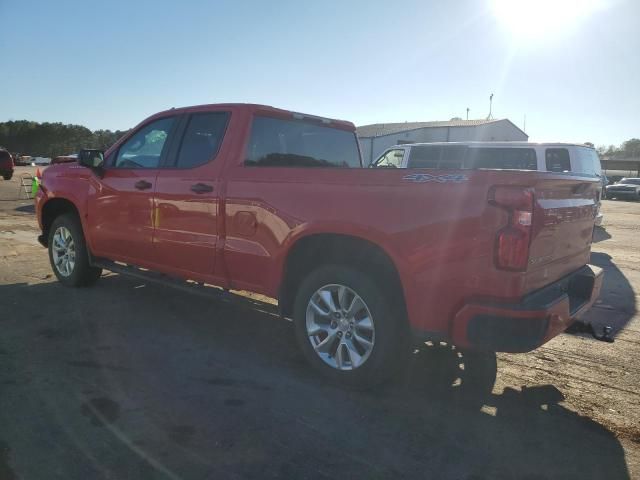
<point>209,291</point>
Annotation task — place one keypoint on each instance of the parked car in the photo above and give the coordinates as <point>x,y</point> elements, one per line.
<point>40,161</point>
<point>546,157</point>
<point>6,164</point>
<point>626,188</point>
<point>21,160</point>
<point>255,198</point>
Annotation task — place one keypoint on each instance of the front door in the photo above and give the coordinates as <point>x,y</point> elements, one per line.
<point>187,197</point>
<point>121,207</point>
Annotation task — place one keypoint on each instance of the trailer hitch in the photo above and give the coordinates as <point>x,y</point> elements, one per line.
<point>582,327</point>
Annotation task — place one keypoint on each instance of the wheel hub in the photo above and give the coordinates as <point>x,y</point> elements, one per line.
<point>344,324</point>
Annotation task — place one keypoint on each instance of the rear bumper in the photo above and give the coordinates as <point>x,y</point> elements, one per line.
<point>537,319</point>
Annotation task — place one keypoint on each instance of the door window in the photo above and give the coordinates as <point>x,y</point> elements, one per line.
<point>557,160</point>
<point>145,147</point>
<point>202,138</point>
<point>424,156</point>
<point>507,158</point>
<point>452,157</point>
<point>391,159</point>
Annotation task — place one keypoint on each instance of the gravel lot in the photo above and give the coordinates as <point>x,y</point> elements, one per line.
<point>132,381</point>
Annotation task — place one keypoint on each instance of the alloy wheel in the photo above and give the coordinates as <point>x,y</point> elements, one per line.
<point>63,251</point>
<point>340,327</point>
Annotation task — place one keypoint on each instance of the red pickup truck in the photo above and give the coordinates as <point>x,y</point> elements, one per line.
<point>255,198</point>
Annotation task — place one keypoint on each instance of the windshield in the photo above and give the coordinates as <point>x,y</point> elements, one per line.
<point>631,181</point>
<point>587,161</point>
<point>391,159</point>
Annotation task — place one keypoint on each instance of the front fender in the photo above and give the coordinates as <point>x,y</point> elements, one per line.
<point>64,182</point>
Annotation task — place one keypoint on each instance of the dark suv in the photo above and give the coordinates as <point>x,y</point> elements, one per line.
<point>6,164</point>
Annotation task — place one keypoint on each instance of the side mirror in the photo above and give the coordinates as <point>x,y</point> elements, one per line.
<point>93,159</point>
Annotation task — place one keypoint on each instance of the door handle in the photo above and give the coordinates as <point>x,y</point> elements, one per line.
<point>201,188</point>
<point>142,185</point>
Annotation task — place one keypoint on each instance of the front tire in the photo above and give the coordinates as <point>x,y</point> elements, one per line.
<point>68,253</point>
<point>8,176</point>
<point>347,328</point>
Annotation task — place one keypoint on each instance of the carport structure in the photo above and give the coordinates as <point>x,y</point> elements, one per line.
<point>629,165</point>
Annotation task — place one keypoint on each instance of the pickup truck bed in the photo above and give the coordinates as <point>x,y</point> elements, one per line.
<point>359,258</point>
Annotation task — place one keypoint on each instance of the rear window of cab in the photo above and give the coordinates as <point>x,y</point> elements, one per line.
<point>276,142</point>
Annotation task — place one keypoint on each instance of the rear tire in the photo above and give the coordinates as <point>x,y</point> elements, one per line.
<point>68,253</point>
<point>361,337</point>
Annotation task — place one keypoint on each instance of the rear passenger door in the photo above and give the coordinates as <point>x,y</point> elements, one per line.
<point>186,205</point>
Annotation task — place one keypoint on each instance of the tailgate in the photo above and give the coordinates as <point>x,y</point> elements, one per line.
<point>563,219</point>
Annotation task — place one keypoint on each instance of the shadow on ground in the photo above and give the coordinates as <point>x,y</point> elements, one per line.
<point>26,208</point>
<point>600,234</point>
<point>617,303</point>
<point>126,380</point>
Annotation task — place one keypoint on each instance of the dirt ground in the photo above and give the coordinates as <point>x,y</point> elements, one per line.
<point>130,380</point>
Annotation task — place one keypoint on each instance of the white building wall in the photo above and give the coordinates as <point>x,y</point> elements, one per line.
<point>504,131</point>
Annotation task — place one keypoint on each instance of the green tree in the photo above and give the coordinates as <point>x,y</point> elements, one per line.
<point>611,151</point>
<point>52,139</point>
<point>631,148</point>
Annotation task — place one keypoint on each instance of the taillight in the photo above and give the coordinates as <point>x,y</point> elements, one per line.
<point>512,242</point>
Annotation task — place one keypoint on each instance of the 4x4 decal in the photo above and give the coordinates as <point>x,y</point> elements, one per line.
<point>427,177</point>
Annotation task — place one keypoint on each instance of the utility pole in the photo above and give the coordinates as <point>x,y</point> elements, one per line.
<point>524,128</point>
<point>467,113</point>
<point>490,116</point>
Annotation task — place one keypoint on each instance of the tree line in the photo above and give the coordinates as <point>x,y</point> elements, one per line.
<point>628,149</point>
<point>53,139</point>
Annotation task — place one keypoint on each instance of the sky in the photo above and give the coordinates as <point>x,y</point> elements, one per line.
<point>572,67</point>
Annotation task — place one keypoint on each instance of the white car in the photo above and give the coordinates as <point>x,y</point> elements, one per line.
<point>550,157</point>
<point>40,161</point>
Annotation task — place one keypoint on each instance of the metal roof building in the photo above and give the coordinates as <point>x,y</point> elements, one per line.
<point>376,138</point>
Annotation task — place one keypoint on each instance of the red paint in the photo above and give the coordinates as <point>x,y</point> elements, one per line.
<point>441,237</point>
<point>64,159</point>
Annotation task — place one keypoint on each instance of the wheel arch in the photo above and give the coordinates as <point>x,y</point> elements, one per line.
<point>52,209</point>
<point>315,249</point>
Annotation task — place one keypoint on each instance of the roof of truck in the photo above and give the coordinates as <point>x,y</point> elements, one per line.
<point>255,107</point>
